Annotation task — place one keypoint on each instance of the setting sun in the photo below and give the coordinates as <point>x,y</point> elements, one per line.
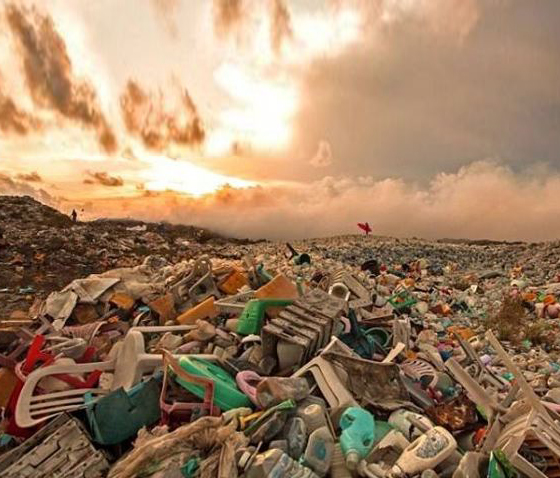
<point>180,176</point>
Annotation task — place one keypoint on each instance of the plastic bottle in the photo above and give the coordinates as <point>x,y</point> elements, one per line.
<point>399,419</point>
<point>275,464</point>
<point>358,432</point>
<point>319,451</point>
<point>338,464</point>
<point>426,452</point>
<point>314,417</point>
<point>295,433</point>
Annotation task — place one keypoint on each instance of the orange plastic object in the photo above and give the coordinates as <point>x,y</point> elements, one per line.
<point>408,282</point>
<point>464,332</point>
<point>233,283</point>
<point>122,301</point>
<point>549,299</point>
<point>204,310</point>
<point>8,381</point>
<point>164,306</point>
<point>280,287</point>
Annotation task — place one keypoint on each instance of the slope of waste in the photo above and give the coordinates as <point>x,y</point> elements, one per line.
<point>42,250</point>
<point>342,357</point>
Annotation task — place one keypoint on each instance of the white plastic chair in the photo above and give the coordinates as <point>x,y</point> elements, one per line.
<point>128,367</point>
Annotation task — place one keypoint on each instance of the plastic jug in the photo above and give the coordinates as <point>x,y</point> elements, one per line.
<point>295,433</point>
<point>319,451</point>
<point>275,463</point>
<point>358,433</point>
<point>427,451</point>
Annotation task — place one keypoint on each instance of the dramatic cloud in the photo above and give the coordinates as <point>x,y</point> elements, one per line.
<point>228,14</point>
<point>166,10</point>
<point>452,205</point>
<point>104,179</point>
<point>409,102</point>
<point>14,119</point>
<point>32,177</point>
<point>323,156</point>
<point>280,24</point>
<point>145,115</point>
<point>49,75</point>
<point>230,17</point>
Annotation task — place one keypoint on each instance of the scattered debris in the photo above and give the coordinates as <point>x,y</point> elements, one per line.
<point>131,349</point>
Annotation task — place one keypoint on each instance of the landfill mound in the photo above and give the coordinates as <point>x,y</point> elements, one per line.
<point>342,357</point>
<point>42,250</point>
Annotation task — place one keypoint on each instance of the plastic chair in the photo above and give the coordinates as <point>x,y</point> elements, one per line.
<point>129,365</point>
<point>183,411</point>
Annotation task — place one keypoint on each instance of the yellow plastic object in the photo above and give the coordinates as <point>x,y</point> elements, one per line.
<point>280,287</point>
<point>244,421</point>
<point>233,283</point>
<point>204,310</point>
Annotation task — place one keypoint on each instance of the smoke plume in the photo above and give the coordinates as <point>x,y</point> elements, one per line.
<point>10,187</point>
<point>32,177</point>
<point>452,205</point>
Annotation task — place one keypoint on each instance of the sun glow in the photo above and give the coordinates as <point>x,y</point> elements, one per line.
<point>181,176</point>
<point>262,108</point>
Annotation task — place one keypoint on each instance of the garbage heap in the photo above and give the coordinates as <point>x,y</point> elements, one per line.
<point>293,366</point>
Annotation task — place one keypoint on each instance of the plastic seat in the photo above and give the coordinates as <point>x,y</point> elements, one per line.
<point>129,365</point>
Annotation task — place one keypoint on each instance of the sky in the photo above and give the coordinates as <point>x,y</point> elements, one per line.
<point>287,119</point>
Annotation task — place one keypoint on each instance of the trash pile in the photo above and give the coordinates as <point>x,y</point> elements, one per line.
<point>42,250</point>
<point>279,360</point>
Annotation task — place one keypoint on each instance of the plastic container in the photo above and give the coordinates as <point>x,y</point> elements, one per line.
<point>295,433</point>
<point>314,417</point>
<point>426,452</point>
<point>358,433</point>
<point>226,394</point>
<point>204,310</point>
<point>319,451</point>
<point>275,463</point>
<point>250,320</point>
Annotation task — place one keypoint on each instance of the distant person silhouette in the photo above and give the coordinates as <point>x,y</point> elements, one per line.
<point>74,215</point>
